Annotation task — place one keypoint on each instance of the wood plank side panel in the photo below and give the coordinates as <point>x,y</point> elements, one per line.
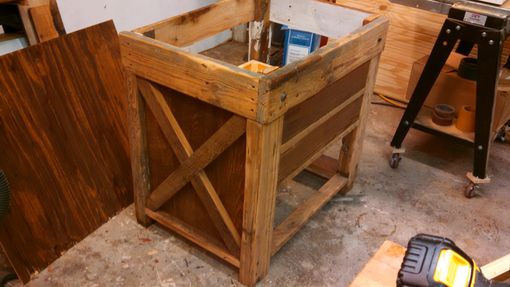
<point>201,158</point>
<point>303,79</point>
<point>352,144</point>
<point>65,146</point>
<point>303,115</point>
<point>194,235</point>
<point>197,122</point>
<point>188,28</point>
<point>293,158</point>
<point>293,223</point>
<point>304,133</point>
<point>217,83</point>
<point>262,162</point>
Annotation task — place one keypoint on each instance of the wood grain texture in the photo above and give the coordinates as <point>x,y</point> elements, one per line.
<point>259,32</point>
<point>232,130</point>
<point>194,235</point>
<point>231,52</point>
<point>188,28</point>
<point>262,163</point>
<point>226,86</point>
<point>212,201</point>
<point>303,115</point>
<point>57,18</point>
<point>294,157</point>
<point>198,95</point>
<point>352,144</point>
<point>411,36</point>
<point>301,80</point>
<point>64,144</point>
<point>188,158</point>
<point>42,20</point>
<point>382,269</point>
<point>138,143</point>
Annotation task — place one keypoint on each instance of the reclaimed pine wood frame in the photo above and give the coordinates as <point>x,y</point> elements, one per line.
<point>211,138</point>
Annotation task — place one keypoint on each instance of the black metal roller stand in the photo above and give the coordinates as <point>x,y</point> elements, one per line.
<point>468,24</point>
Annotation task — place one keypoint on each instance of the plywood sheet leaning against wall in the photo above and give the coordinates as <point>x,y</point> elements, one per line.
<point>63,144</point>
<point>411,36</point>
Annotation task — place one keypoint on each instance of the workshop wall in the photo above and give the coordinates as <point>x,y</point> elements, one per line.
<point>130,14</point>
<point>126,14</point>
<point>411,36</point>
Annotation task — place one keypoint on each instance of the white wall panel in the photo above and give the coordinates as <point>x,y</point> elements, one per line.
<point>126,14</point>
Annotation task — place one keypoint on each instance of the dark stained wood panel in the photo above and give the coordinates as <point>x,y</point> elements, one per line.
<point>318,138</point>
<point>309,111</point>
<point>199,121</point>
<point>63,144</point>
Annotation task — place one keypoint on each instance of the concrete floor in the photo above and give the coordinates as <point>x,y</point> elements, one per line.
<point>423,195</point>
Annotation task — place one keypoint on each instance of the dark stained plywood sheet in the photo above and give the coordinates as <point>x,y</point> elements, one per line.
<point>63,144</point>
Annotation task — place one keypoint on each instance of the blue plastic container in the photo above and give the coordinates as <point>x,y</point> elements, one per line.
<point>298,44</point>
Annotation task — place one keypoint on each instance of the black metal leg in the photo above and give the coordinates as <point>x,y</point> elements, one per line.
<point>507,64</point>
<point>465,48</point>
<point>489,57</point>
<point>447,39</point>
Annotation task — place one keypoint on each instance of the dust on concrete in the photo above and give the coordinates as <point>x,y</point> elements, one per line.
<point>423,195</point>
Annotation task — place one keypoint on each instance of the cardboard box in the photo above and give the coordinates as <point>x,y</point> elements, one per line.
<point>455,91</point>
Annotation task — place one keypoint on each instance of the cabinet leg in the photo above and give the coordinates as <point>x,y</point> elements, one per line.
<point>488,70</point>
<point>138,143</point>
<point>262,162</point>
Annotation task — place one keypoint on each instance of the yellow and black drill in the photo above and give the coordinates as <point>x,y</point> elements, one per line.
<point>432,261</point>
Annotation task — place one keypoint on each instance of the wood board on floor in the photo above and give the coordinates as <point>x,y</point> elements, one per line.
<point>382,269</point>
<point>63,144</point>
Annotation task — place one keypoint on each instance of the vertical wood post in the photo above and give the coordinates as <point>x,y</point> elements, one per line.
<point>352,143</point>
<point>262,162</point>
<point>57,18</point>
<point>138,143</point>
<point>260,32</point>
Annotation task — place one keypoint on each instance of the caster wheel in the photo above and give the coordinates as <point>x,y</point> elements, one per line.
<point>501,136</point>
<point>471,190</point>
<point>395,160</point>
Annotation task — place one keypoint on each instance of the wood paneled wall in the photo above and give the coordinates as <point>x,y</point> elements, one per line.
<point>411,36</point>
